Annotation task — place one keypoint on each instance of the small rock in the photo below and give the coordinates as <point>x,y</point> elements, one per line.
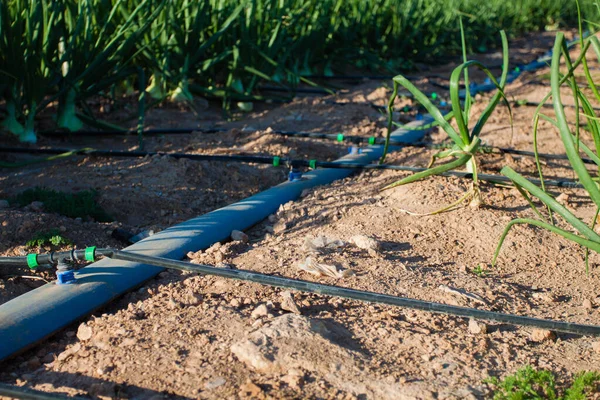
<point>305,193</point>
<point>288,303</point>
<point>36,206</point>
<point>294,378</point>
<point>4,204</point>
<point>84,332</point>
<point>239,236</point>
<point>69,352</point>
<point>279,227</point>
<point>220,381</point>
<point>563,199</point>
<point>365,242</point>
<point>545,297</point>
<point>541,335</point>
<point>587,304</point>
<point>34,362</point>
<point>235,303</point>
<point>48,358</point>
<point>250,389</point>
<point>596,347</point>
<point>260,311</point>
<point>476,327</point>
<point>128,342</point>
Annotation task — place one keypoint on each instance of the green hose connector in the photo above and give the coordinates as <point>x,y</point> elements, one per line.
<point>90,253</point>
<point>276,161</point>
<point>312,164</point>
<point>340,137</point>
<point>434,95</point>
<point>372,140</point>
<point>32,261</point>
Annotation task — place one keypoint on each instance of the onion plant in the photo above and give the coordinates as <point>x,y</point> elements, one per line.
<point>466,139</point>
<point>98,40</point>
<point>28,43</point>
<point>576,230</point>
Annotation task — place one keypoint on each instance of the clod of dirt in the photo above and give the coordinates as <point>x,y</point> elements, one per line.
<point>239,236</point>
<point>587,304</point>
<point>220,381</point>
<point>84,332</point>
<point>596,347</point>
<point>541,335</point>
<point>365,242</point>
<point>260,311</point>
<point>317,269</point>
<point>291,342</point>
<point>476,327</point>
<point>288,303</point>
<point>294,378</point>
<point>278,228</point>
<point>250,390</point>
<point>36,206</point>
<point>545,297</point>
<point>315,245</point>
<point>69,352</point>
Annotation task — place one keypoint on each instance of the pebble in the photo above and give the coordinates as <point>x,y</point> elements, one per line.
<point>596,347</point>
<point>260,311</point>
<point>220,381</point>
<point>279,227</point>
<point>128,342</point>
<point>293,381</point>
<point>476,327</point>
<point>36,206</point>
<point>34,362</point>
<point>4,204</point>
<point>541,335</point>
<point>587,304</point>
<point>48,358</point>
<point>288,303</point>
<point>235,303</point>
<point>250,390</point>
<point>84,332</point>
<point>239,236</point>
<point>365,242</point>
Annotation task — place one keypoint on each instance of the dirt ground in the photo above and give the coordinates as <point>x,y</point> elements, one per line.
<point>183,335</point>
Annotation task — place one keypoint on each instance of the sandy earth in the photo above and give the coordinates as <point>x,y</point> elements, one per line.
<point>182,335</point>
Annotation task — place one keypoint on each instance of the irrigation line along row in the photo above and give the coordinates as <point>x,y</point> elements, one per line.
<point>353,294</point>
<point>93,254</point>
<point>275,161</point>
<point>339,137</point>
<point>20,392</point>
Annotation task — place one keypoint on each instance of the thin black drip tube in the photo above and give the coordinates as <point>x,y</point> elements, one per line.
<point>339,137</point>
<point>272,160</point>
<point>18,392</point>
<point>353,294</point>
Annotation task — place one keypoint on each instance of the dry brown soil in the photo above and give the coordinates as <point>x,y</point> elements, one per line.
<point>183,335</point>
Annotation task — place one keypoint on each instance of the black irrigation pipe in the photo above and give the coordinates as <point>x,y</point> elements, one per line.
<point>276,161</point>
<point>25,393</point>
<point>339,137</point>
<point>360,295</point>
<point>92,254</point>
<point>299,90</point>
